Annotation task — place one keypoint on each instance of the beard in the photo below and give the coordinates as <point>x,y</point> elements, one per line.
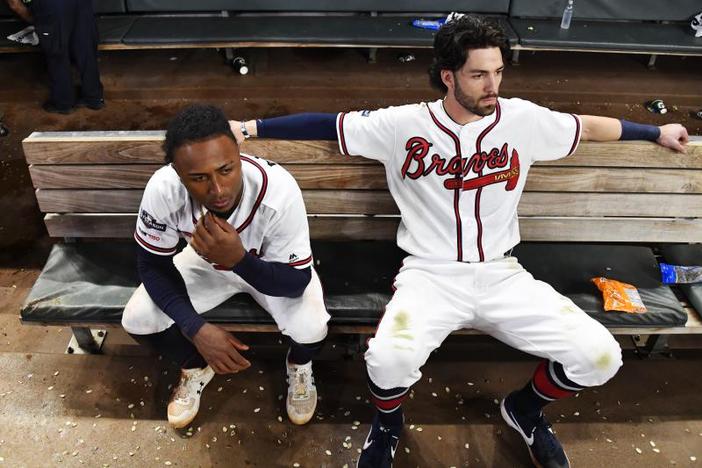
<point>473,104</point>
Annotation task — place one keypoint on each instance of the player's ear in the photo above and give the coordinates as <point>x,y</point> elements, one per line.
<point>447,77</point>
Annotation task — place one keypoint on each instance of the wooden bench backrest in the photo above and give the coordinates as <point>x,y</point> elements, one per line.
<point>89,184</point>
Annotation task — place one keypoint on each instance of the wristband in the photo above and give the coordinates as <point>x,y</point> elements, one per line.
<point>245,132</point>
<point>636,131</point>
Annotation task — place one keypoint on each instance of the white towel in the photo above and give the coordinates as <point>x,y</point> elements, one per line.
<point>25,36</point>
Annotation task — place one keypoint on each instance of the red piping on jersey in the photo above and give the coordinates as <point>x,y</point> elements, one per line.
<point>261,194</point>
<point>480,190</point>
<point>340,130</point>
<point>301,262</point>
<point>457,191</point>
<point>148,246</point>
<point>577,135</point>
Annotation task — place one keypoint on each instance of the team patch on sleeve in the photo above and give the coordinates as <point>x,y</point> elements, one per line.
<point>151,222</point>
<point>297,262</point>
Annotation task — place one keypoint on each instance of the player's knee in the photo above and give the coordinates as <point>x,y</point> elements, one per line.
<point>389,365</point>
<point>602,362</point>
<point>311,332</point>
<point>133,315</point>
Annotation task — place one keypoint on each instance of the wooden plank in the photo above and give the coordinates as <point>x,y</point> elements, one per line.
<point>380,202</point>
<point>55,148</point>
<point>372,177</point>
<point>631,154</point>
<point>123,176</point>
<point>572,179</point>
<point>629,230</point>
<point>128,201</point>
<point>117,226</point>
<point>145,147</point>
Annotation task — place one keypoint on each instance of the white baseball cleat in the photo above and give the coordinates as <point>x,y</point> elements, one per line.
<point>302,393</point>
<point>185,400</point>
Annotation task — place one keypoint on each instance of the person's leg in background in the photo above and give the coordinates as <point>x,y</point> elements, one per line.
<point>83,45</point>
<point>53,23</point>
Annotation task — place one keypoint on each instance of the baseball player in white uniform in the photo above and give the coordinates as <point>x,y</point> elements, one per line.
<point>456,168</point>
<point>246,229</point>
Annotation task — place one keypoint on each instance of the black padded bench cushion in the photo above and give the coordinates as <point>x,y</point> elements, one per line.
<point>346,30</point>
<point>425,6</point>
<point>111,30</point>
<point>687,255</point>
<point>91,283</point>
<point>608,35</point>
<point>569,268</point>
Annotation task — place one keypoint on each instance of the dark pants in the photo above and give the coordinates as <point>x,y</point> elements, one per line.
<point>67,32</point>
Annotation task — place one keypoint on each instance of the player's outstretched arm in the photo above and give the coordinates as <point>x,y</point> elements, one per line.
<point>596,128</point>
<point>307,126</point>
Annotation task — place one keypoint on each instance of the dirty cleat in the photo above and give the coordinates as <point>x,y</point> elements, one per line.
<point>185,400</point>
<point>380,445</point>
<point>302,393</point>
<point>545,449</point>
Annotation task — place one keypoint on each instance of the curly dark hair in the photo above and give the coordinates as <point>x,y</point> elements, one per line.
<point>194,123</point>
<point>454,40</point>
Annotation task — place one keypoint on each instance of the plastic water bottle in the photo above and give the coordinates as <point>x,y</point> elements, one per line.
<point>567,15</point>
<point>677,274</point>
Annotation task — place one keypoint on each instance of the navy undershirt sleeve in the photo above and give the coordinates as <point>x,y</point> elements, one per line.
<point>307,126</point>
<point>273,278</point>
<point>166,288</point>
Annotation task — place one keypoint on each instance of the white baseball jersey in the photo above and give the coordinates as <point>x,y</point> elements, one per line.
<point>270,219</point>
<point>458,186</point>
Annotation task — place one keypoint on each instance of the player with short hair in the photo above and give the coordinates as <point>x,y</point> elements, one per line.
<point>246,226</point>
<point>456,168</point>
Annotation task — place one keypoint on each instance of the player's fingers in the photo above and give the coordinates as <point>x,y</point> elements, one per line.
<point>222,224</point>
<point>240,361</point>
<point>684,137</point>
<point>237,343</point>
<point>677,146</point>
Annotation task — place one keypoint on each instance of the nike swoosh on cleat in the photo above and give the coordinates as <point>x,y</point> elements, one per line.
<point>529,440</point>
<point>367,444</point>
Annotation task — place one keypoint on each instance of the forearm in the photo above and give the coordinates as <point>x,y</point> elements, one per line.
<point>597,128</point>
<point>167,289</point>
<point>273,278</point>
<point>20,10</point>
<point>307,126</point>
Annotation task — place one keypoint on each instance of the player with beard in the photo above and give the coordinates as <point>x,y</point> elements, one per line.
<point>456,168</point>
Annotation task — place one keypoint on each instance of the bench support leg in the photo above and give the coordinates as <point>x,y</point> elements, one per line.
<point>652,346</point>
<point>86,341</point>
<point>515,57</point>
<point>373,55</point>
<point>652,61</point>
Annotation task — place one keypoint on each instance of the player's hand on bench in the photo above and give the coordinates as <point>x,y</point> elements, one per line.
<point>673,136</point>
<point>220,349</point>
<point>217,241</point>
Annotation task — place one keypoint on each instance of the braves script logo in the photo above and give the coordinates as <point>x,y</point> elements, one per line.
<point>418,165</point>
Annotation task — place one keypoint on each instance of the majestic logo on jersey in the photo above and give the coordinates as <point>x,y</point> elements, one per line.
<point>417,166</point>
<point>150,222</point>
<point>292,258</point>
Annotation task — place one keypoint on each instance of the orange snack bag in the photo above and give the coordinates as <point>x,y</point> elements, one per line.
<point>619,296</point>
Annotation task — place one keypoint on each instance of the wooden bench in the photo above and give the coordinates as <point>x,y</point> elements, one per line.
<point>599,211</point>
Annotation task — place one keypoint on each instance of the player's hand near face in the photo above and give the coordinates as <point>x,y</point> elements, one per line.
<point>673,136</point>
<point>220,349</point>
<point>217,241</point>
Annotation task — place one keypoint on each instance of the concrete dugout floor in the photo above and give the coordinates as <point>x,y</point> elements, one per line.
<point>63,410</point>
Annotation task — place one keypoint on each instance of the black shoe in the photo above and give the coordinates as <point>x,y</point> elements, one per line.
<point>544,448</point>
<point>94,105</point>
<point>380,446</point>
<point>49,106</point>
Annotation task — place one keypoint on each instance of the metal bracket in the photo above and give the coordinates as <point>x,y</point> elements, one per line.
<point>515,57</point>
<point>372,55</point>
<point>652,346</point>
<point>86,341</point>
<point>652,61</point>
